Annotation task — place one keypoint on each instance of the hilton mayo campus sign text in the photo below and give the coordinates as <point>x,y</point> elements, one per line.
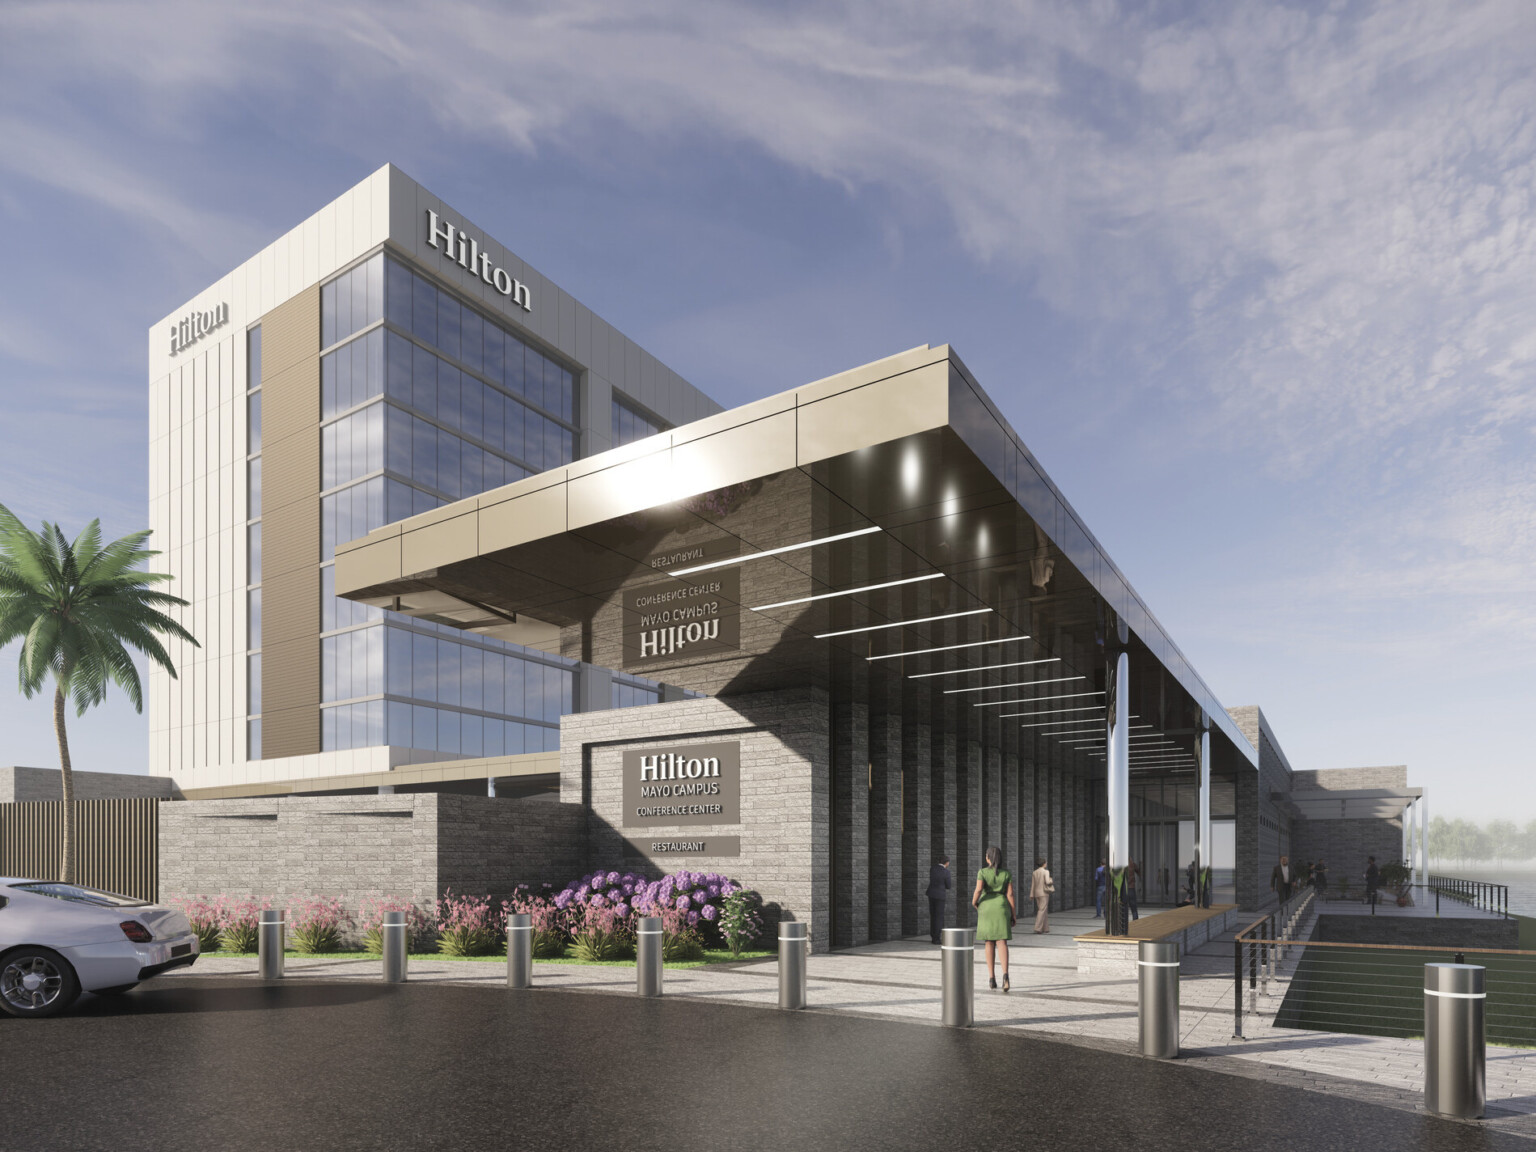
<point>683,784</point>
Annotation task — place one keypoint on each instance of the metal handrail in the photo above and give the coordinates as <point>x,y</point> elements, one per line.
<point>1478,893</point>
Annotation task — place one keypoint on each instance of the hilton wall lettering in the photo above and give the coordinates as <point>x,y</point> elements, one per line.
<point>673,785</point>
<point>683,617</point>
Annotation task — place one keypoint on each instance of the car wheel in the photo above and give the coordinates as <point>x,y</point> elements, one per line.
<point>36,982</point>
<point>117,991</point>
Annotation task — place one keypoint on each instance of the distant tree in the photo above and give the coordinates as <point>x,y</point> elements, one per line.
<point>77,609</point>
<point>1503,838</point>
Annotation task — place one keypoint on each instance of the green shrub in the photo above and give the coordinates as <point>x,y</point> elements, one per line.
<point>682,945</point>
<point>239,936</point>
<point>548,944</point>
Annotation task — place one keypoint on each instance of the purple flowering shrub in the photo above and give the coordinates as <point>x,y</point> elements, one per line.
<point>468,925</point>
<point>315,923</point>
<point>686,900</point>
<point>370,918</point>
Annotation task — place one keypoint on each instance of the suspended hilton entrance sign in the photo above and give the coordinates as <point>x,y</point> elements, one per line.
<point>682,617</point>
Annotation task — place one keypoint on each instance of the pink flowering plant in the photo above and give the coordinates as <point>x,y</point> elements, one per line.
<point>600,932</point>
<point>315,923</point>
<point>550,932</point>
<point>237,917</point>
<point>204,918</point>
<point>468,925</point>
<point>370,918</point>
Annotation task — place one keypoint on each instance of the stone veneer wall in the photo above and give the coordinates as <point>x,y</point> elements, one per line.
<point>785,791</point>
<point>413,845</point>
<point>1344,844</point>
<point>27,784</point>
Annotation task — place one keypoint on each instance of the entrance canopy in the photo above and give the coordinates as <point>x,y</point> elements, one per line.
<point>1350,804</point>
<point>881,534</point>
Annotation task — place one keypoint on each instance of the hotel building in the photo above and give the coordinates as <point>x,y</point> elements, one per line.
<point>442,528</point>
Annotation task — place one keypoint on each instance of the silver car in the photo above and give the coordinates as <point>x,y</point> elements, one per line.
<point>58,940</point>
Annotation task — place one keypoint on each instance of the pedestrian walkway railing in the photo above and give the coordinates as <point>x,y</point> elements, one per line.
<point>1477,893</point>
<point>1366,989</point>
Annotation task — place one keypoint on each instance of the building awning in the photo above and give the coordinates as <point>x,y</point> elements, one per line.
<point>883,534</point>
<point>1354,804</point>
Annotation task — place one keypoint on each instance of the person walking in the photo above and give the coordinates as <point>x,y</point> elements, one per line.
<point>939,884</point>
<point>1040,888</point>
<point>1281,879</point>
<point>1320,880</point>
<point>1100,879</point>
<point>996,912</point>
<point>1131,872</point>
<point>1372,880</point>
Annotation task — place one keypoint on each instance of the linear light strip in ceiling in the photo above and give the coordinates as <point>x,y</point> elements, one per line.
<point>1050,711</point>
<point>1020,684</point>
<point>984,668</point>
<point>849,591</point>
<point>1036,699</point>
<point>726,563</point>
<point>901,623</point>
<point>1061,725</point>
<point>946,648</point>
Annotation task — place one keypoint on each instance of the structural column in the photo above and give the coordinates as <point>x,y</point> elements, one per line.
<point>850,780</point>
<point>1118,792</point>
<point>917,854</point>
<point>1203,847</point>
<point>885,826</point>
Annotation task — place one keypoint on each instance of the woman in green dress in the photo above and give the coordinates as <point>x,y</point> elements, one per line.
<point>996,912</point>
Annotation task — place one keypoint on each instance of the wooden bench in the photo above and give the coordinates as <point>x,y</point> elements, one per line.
<point>1104,955</point>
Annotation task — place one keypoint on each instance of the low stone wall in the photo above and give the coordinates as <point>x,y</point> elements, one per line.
<point>414,846</point>
<point>1447,932</point>
<point>19,784</point>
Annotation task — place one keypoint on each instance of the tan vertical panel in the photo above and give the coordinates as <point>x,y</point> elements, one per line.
<point>116,842</point>
<point>290,533</point>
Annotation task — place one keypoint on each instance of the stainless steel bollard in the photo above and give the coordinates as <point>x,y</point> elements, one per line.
<point>394,935</point>
<point>520,950</point>
<point>793,944</point>
<point>958,961</point>
<point>648,957</point>
<point>1455,1045</point>
<point>269,943</point>
<point>1157,997</point>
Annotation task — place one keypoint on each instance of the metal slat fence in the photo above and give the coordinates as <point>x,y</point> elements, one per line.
<point>116,843</point>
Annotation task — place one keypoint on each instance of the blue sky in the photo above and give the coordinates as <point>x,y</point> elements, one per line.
<point>1257,282</point>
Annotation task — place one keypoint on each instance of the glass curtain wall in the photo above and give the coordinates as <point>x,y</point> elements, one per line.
<point>425,401</point>
<point>630,424</point>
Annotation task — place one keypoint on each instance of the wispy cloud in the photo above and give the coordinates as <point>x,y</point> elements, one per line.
<point>1310,228</point>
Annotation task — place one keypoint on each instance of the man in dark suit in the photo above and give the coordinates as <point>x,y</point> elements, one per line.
<point>1283,879</point>
<point>939,884</point>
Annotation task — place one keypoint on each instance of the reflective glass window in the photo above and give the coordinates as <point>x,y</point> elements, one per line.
<point>253,359</point>
<point>253,422</point>
<point>352,447</point>
<point>352,301</point>
<point>352,374</point>
<point>253,487</point>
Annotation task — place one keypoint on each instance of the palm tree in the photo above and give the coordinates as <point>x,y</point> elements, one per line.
<point>77,609</point>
